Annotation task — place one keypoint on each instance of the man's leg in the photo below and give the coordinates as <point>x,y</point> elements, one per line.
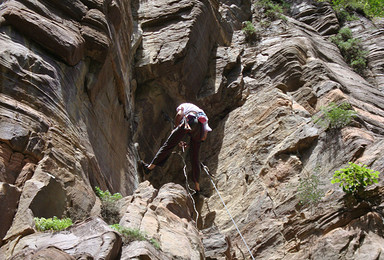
<point>166,149</point>
<point>194,154</point>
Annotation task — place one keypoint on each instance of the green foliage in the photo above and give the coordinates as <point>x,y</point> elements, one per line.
<point>371,8</point>
<point>309,191</point>
<point>335,116</point>
<point>109,208</point>
<point>273,9</point>
<point>129,235</point>
<point>351,49</point>
<point>55,224</point>
<point>250,31</point>
<point>355,178</point>
<point>106,195</point>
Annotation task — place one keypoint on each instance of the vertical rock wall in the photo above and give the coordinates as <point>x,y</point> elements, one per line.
<point>65,105</point>
<point>80,81</point>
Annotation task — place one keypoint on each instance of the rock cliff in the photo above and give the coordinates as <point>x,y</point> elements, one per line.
<point>82,81</point>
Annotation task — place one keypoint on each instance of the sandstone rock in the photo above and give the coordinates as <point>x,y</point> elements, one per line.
<point>9,198</point>
<point>91,238</point>
<point>258,174</point>
<point>74,8</point>
<point>172,62</point>
<point>142,250</point>
<point>320,16</point>
<point>216,245</point>
<point>59,40</point>
<point>42,196</point>
<point>76,120</point>
<point>166,217</point>
<point>25,174</point>
<point>371,37</point>
<point>49,253</point>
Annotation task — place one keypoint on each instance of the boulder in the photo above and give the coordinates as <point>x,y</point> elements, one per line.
<point>166,216</point>
<point>48,253</point>
<point>91,238</point>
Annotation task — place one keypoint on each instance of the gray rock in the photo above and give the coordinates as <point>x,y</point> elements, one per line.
<point>90,238</point>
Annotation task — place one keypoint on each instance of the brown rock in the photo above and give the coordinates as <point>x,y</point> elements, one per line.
<point>48,253</point>
<point>318,15</point>
<point>42,196</point>
<point>166,217</point>
<point>216,245</point>
<point>97,43</point>
<point>25,174</point>
<point>90,238</point>
<point>142,250</point>
<point>61,41</point>
<point>9,199</point>
<point>74,8</point>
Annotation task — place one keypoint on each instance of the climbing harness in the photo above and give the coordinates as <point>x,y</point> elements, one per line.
<point>225,206</point>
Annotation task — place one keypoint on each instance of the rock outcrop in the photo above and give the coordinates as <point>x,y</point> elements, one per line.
<point>82,81</point>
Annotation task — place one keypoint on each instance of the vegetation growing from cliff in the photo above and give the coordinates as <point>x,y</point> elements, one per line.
<point>371,8</point>
<point>54,224</point>
<point>335,116</point>
<point>109,209</point>
<point>355,178</point>
<point>351,49</point>
<point>250,32</point>
<point>273,9</point>
<point>129,235</point>
<point>309,191</point>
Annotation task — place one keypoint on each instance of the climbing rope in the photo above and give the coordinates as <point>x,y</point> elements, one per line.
<point>225,206</point>
<point>187,187</point>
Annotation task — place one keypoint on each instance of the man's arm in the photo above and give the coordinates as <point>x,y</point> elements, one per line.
<point>204,135</point>
<point>178,117</point>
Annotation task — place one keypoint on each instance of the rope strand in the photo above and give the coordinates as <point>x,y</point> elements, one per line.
<point>188,188</point>
<point>225,206</point>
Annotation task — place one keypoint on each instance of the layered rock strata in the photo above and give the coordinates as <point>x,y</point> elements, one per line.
<point>81,81</point>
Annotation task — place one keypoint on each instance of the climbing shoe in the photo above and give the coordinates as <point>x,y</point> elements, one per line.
<point>204,193</point>
<point>145,168</point>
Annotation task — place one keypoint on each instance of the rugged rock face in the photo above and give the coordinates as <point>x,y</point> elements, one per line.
<point>65,104</point>
<point>82,81</point>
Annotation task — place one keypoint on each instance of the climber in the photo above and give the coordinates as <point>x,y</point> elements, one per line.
<point>191,120</point>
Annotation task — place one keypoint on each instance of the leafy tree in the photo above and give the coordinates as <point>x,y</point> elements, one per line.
<point>355,178</point>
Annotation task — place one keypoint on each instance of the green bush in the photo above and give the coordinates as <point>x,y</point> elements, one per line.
<point>273,9</point>
<point>129,235</point>
<point>355,178</point>
<point>309,191</point>
<point>54,224</point>
<point>250,31</point>
<point>351,49</point>
<point>110,211</point>
<point>335,116</point>
<point>106,195</point>
<point>371,8</point>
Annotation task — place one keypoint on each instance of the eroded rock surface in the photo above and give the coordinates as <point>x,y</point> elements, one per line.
<point>165,215</point>
<point>81,81</point>
<point>92,238</point>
